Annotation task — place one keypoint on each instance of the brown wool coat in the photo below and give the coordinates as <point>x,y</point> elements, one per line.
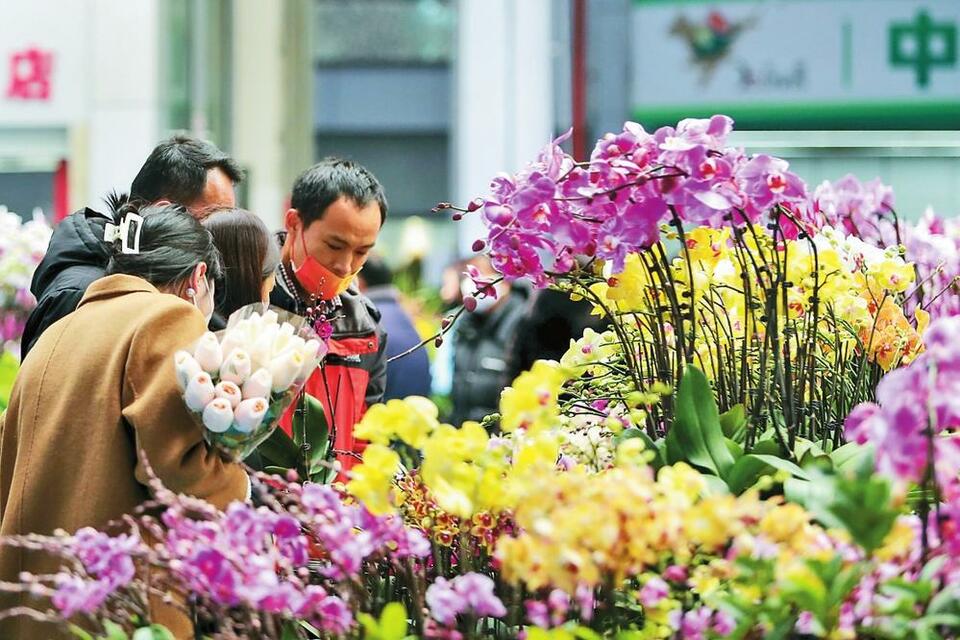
<point>98,385</point>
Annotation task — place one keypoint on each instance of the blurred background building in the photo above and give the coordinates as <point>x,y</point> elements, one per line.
<point>436,96</point>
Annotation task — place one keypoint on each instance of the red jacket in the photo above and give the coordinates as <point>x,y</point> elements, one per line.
<point>354,373</point>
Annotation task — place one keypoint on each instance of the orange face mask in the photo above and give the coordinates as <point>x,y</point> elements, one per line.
<point>317,280</point>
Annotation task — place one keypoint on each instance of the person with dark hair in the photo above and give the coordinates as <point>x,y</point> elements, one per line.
<point>190,172</point>
<point>337,208</point>
<point>87,402</point>
<point>250,260</point>
<point>409,375</point>
<point>481,347</point>
<point>550,321</point>
<point>182,170</point>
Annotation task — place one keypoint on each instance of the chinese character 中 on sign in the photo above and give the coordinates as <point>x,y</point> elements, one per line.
<point>30,75</point>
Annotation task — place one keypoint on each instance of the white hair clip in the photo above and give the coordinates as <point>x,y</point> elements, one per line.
<point>122,231</point>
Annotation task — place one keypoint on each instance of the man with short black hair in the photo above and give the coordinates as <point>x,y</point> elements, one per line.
<point>182,170</point>
<point>337,209</point>
<point>188,171</point>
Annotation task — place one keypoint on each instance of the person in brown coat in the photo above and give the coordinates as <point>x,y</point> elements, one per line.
<point>98,387</point>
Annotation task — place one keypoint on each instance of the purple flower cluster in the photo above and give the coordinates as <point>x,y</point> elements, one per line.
<point>553,611</point>
<point>108,564</point>
<point>925,394</point>
<point>350,534</point>
<point>469,594</point>
<point>541,219</point>
<point>250,557</point>
<point>860,209</point>
<point>933,246</point>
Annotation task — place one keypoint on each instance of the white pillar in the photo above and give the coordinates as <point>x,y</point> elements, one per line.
<point>124,104</point>
<point>503,94</point>
<point>272,116</point>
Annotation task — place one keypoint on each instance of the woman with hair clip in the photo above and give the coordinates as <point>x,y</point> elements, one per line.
<point>99,388</point>
<point>250,258</point>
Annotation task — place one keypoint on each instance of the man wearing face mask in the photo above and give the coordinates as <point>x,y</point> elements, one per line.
<point>482,340</point>
<point>337,208</point>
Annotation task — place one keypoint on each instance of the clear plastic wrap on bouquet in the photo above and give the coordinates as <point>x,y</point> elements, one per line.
<point>239,382</point>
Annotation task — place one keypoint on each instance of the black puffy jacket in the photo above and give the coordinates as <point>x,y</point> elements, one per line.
<point>481,348</point>
<point>76,256</point>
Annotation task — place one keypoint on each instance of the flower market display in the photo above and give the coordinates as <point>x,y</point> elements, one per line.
<point>763,442</point>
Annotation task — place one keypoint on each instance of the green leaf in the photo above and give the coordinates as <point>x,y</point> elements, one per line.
<point>942,620</point>
<point>802,447</point>
<point>279,451</point>
<point>80,633</point>
<point>735,449</point>
<point>649,445</point>
<point>767,445</point>
<point>696,428</point>
<point>114,631</point>
<point>734,423</point>
<point>290,631</point>
<point>317,431</point>
<point>947,601</point>
<point>932,568</point>
<point>849,455</point>
<point>858,502</point>
<point>781,464</point>
<point>153,632</point>
<point>745,473</point>
<point>716,485</point>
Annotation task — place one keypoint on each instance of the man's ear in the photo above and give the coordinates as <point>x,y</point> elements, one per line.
<point>292,221</point>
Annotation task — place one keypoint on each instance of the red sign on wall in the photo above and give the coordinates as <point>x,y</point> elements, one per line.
<point>30,75</point>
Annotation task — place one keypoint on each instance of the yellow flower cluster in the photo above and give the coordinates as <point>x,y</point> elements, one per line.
<point>465,470</point>
<point>567,539</point>
<point>859,289</point>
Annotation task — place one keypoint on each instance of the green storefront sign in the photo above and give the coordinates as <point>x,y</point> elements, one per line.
<point>842,64</point>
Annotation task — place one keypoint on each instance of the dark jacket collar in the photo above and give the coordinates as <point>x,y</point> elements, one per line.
<point>77,240</point>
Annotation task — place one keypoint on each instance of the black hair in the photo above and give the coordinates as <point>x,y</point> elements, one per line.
<point>172,244</point>
<point>249,252</point>
<point>330,179</point>
<point>176,170</point>
<point>376,272</point>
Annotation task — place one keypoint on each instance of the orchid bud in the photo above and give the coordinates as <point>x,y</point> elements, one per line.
<point>473,206</point>
<point>478,245</point>
<point>470,303</point>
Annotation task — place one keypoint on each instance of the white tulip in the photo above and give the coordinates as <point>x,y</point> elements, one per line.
<point>187,367</point>
<point>270,317</point>
<point>258,385</point>
<point>218,415</point>
<point>311,358</point>
<point>249,414</point>
<point>285,368</point>
<point>232,340</point>
<point>199,392</point>
<point>236,367</point>
<point>262,352</point>
<point>229,391</point>
<point>209,353</point>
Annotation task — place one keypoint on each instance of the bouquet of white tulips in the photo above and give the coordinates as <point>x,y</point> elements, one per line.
<point>239,382</point>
